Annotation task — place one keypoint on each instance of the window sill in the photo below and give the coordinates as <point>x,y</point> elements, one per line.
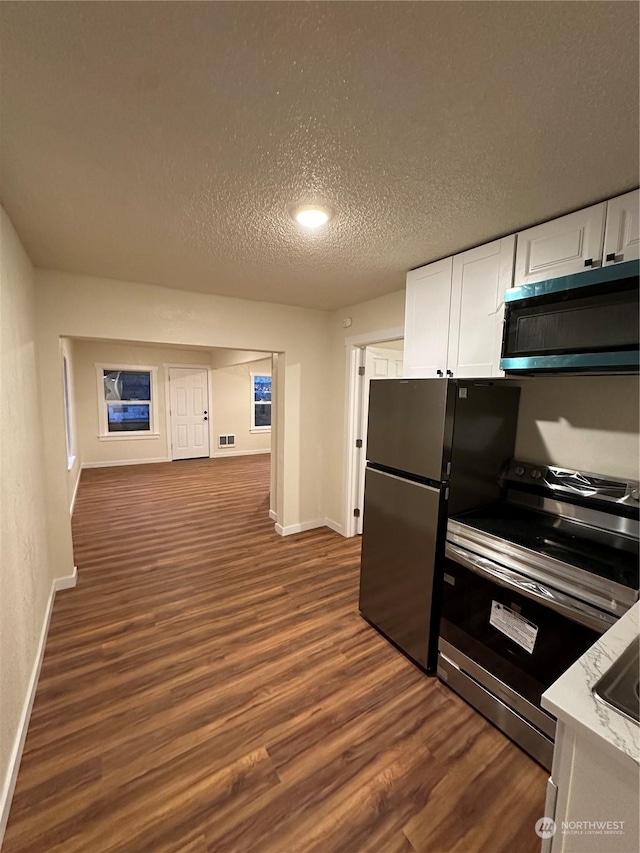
<point>260,429</point>
<point>128,436</point>
<point>70,462</point>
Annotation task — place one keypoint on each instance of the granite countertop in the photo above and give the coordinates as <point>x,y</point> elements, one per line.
<point>570,698</point>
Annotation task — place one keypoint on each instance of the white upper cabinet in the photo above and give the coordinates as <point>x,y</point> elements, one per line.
<point>622,233</point>
<point>455,307</point>
<point>428,303</point>
<point>563,246</point>
<point>480,278</point>
<point>454,313</point>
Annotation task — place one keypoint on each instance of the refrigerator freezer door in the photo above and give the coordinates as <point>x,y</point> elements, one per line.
<point>410,425</point>
<point>483,442</point>
<point>399,547</point>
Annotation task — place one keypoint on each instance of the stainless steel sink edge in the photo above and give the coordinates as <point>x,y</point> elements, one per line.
<point>619,687</point>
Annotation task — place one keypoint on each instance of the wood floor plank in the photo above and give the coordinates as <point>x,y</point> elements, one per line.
<point>210,686</point>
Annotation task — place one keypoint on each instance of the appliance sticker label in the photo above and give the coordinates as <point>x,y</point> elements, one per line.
<point>514,626</point>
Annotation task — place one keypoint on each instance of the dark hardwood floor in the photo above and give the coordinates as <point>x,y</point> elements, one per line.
<point>210,686</point>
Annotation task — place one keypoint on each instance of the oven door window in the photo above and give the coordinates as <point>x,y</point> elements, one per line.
<point>524,644</point>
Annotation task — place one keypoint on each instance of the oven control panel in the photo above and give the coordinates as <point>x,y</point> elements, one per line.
<point>567,481</point>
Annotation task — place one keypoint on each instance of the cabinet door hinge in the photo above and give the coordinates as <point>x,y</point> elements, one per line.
<point>356,513</point>
<point>361,371</point>
<point>358,442</point>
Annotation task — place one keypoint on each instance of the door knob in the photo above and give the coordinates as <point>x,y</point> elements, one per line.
<point>205,412</point>
<point>205,418</point>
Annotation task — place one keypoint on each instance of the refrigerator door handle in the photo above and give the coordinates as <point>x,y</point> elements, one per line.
<point>404,479</point>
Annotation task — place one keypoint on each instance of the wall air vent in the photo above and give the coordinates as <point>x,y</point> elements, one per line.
<point>226,440</point>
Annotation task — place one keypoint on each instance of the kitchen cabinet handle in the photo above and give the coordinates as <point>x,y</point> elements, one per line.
<point>440,373</point>
<point>449,372</point>
<point>588,262</point>
<point>615,258</point>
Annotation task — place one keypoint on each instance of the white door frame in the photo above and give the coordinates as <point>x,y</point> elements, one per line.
<point>352,397</point>
<point>167,402</point>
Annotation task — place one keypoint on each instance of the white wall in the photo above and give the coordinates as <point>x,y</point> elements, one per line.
<point>98,451</point>
<point>74,465</point>
<point>585,422</point>
<point>80,306</point>
<point>231,408</point>
<point>227,358</point>
<point>25,567</point>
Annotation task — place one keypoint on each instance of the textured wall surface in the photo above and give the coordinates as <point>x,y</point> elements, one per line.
<point>25,572</point>
<point>167,142</point>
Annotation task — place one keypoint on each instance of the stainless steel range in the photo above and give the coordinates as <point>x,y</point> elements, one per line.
<point>530,583</point>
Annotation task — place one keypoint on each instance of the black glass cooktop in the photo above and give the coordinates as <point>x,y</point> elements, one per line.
<point>603,554</point>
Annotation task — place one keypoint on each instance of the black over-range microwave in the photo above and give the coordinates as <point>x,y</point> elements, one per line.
<point>586,322</point>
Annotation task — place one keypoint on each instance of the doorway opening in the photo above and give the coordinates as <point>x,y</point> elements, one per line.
<point>375,356</point>
<point>134,402</point>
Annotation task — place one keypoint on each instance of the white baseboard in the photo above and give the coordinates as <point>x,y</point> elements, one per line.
<point>16,753</point>
<point>273,515</point>
<point>66,582</point>
<point>124,462</point>
<point>220,454</point>
<point>75,491</point>
<point>298,528</point>
<point>333,525</point>
<point>306,525</point>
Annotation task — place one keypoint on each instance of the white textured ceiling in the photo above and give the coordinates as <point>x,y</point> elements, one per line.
<point>167,142</point>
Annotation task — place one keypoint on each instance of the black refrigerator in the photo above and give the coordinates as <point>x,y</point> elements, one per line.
<point>435,447</point>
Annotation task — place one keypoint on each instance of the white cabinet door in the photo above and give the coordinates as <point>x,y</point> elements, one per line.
<point>480,278</point>
<point>426,329</point>
<point>563,246</point>
<point>622,234</point>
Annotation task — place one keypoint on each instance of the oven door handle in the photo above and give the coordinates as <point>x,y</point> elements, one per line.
<point>573,609</point>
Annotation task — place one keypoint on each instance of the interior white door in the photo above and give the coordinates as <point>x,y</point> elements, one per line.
<point>189,417</point>
<point>380,362</point>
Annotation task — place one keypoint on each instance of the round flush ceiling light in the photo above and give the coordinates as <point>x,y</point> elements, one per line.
<point>311,216</point>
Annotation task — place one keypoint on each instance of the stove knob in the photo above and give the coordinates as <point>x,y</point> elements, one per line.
<point>635,494</point>
<point>535,474</point>
<point>518,470</point>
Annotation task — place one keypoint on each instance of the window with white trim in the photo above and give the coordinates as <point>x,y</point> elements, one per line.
<point>126,400</point>
<point>260,402</point>
<point>68,421</point>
